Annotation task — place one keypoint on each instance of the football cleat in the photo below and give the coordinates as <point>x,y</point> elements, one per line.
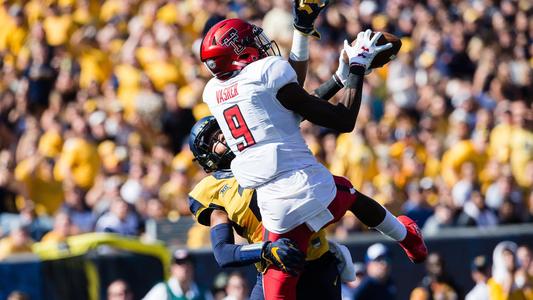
<point>413,244</point>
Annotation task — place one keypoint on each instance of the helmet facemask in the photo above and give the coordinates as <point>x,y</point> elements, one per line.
<point>266,46</point>
<point>207,142</point>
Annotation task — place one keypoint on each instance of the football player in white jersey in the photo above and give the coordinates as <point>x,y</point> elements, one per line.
<point>258,103</point>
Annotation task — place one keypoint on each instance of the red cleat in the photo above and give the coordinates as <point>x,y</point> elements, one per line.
<point>413,244</point>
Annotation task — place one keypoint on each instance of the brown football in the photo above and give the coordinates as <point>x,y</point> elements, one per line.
<point>384,57</point>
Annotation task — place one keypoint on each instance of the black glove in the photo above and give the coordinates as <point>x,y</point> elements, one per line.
<point>283,254</point>
<point>305,14</point>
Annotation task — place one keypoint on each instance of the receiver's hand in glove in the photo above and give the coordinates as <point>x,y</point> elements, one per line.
<point>305,14</point>
<point>365,49</point>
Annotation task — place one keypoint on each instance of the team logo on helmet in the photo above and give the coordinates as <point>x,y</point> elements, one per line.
<point>231,38</point>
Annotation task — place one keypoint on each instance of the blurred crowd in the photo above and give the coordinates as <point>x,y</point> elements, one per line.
<point>508,274</point>
<point>97,98</point>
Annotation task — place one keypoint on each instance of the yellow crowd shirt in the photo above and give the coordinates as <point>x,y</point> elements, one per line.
<point>459,154</point>
<point>521,154</point>
<point>58,29</point>
<point>42,188</point>
<point>496,292</point>
<point>80,158</point>
<point>354,159</point>
<point>499,142</point>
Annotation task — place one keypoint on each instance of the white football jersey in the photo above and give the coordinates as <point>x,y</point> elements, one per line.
<point>266,139</point>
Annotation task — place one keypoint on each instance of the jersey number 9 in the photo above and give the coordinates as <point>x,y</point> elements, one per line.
<point>238,127</point>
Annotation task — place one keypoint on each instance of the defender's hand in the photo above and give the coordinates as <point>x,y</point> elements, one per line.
<point>345,263</point>
<point>284,254</point>
<point>305,14</point>
<point>365,49</point>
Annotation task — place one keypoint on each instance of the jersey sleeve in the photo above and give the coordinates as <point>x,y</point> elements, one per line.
<point>278,73</point>
<point>201,201</point>
<point>208,91</point>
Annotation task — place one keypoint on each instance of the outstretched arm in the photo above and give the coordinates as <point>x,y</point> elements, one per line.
<point>227,254</point>
<point>299,56</point>
<point>340,116</point>
<point>329,88</point>
<point>281,253</point>
<point>305,15</point>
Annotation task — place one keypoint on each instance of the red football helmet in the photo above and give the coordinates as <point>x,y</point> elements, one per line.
<point>232,44</point>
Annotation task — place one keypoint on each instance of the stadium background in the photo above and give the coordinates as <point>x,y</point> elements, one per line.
<point>97,99</point>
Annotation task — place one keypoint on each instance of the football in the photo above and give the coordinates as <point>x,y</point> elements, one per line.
<point>384,57</point>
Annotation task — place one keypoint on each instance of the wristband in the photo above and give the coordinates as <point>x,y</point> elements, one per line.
<point>251,252</point>
<point>329,88</point>
<point>354,80</point>
<point>357,69</point>
<point>300,47</point>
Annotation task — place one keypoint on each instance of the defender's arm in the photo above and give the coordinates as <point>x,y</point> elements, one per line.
<point>227,254</point>
<point>281,253</point>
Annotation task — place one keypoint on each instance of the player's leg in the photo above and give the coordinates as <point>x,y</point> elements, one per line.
<point>311,286</point>
<point>276,283</point>
<point>257,291</point>
<point>327,285</point>
<point>372,214</point>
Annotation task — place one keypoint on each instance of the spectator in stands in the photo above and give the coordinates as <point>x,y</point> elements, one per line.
<point>522,140</point>
<point>525,260</point>
<point>18,241</point>
<point>509,212</point>
<point>437,283</point>
<point>416,206</point>
<point>237,287</point>
<point>480,273</point>
<point>7,184</point>
<point>119,290</point>
<point>443,217</point>
<point>40,75</point>
<point>36,175</point>
<point>348,289</point>
<point>155,210</point>
<point>218,290</point>
<point>18,295</point>
<point>476,213</point>
<point>529,213</point>
<point>463,188</point>
<point>524,278</point>
<point>62,229</point>
<point>501,190</point>
<point>37,226</point>
<point>79,159</point>
<point>76,208</point>
<point>377,284</point>
<point>119,219</point>
<point>506,282</point>
<point>181,283</point>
